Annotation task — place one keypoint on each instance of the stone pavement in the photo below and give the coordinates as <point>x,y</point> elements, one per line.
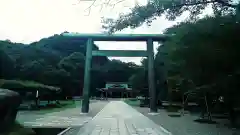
<point>118,118</point>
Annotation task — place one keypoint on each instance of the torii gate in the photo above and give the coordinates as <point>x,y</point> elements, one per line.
<point>148,38</point>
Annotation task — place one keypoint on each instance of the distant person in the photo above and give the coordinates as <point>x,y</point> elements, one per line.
<point>37,98</point>
<point>37,94</point>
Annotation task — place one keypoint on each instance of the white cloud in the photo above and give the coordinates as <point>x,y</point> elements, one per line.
<point>30,20</point>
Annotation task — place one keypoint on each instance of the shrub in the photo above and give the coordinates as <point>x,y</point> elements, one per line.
<point>26,86</point>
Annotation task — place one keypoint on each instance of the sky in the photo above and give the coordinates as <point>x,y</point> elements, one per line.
<point>27,21</point>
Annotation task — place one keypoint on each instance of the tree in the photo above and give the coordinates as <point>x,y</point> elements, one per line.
<point>223,31</point>
<point>118,71</point>
<point>161,73</point>
<point>7,68</point>
<point>74,65</point>
<point>139,82</point>
<point>203,57</point>
<point>73,62</point>
<point>139,79</point>
<point>171,8</point>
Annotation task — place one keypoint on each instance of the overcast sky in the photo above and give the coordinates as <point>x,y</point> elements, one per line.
<point>26,21</point>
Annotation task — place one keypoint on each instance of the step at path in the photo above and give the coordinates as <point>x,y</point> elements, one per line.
<point>118,118</point>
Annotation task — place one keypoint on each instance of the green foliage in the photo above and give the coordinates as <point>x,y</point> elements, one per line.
<point>7,65</point>
<point>215,41</point>
<point>18,129</point>
<point>72,62</point>
<point>51,108</point>
<point>26,86</point>
<point>119,71</point>
<point>132,102</point>
<point>170,8</point>
<point>203,56</point>
<point>58,61</point>
<point>139,80</point>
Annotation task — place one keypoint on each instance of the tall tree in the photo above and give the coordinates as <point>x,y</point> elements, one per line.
<point>203,55</point>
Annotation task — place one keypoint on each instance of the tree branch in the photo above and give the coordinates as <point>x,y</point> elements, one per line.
<point>199,3</point>
<point>226,4</point>
<point>89,8</point>
<point>108,3</point>
<point>207,2</point>
<point>140,14</point>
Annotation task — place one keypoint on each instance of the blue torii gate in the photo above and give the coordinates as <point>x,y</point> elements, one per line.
<point>148,38</point>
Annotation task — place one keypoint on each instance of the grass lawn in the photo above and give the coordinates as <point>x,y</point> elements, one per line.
<point>64,104</point>
<point>132,102</point>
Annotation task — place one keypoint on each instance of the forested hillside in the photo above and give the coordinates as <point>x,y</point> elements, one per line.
<point>59,61</point>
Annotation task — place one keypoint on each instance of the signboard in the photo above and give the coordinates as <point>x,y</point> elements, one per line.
<point>116,85</point>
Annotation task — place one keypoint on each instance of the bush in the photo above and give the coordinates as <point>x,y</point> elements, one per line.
<point>26,86</point>
<point>18,129</point>
<point>9,102</point>
<point>173,108</point>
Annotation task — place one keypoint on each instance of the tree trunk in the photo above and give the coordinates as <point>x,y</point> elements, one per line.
<point>170,97</point>
<point>232,115</point>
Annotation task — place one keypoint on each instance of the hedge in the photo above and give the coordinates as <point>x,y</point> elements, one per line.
<point>26,86</point>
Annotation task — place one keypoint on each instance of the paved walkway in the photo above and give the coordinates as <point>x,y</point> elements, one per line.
<point>118,118</point>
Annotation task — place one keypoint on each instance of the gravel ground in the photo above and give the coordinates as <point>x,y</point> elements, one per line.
<point>186,126</point>
<point>95,107</point>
